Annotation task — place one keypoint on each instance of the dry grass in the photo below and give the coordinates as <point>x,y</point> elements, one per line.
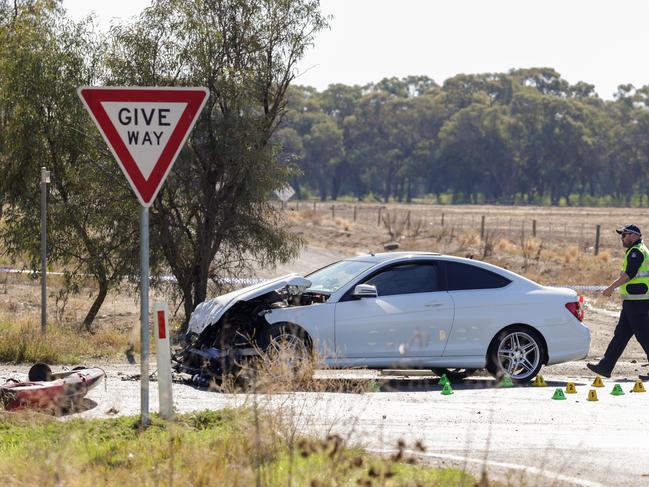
<point>285,370</point>
<point>21,341</point>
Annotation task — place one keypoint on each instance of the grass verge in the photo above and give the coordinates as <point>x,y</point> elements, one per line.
<point>63,344</point>
<point>232,447</point>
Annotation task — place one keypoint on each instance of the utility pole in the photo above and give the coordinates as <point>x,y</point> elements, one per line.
<point>45,178</point>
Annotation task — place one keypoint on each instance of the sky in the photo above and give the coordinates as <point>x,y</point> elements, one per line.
<point>600,42</point>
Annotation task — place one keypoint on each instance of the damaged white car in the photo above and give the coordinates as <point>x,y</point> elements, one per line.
<point>394,310</point>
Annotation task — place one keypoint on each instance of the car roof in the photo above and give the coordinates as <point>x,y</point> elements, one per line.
<point>387,256</point>
<point>383,257</point>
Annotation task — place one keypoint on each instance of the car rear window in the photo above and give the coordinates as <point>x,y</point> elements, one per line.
<point>461,277</point>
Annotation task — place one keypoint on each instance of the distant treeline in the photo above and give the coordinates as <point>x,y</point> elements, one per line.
<point>527,136</point>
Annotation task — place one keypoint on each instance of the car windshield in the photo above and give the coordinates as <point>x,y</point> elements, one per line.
<point>331,278</point>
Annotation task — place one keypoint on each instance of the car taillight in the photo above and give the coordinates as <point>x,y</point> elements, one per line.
<point>577,308</point>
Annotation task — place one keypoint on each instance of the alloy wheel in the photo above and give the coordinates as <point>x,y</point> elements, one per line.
<point>519,355</point>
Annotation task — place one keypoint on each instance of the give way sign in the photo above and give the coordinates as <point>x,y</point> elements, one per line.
<point>145,129</point>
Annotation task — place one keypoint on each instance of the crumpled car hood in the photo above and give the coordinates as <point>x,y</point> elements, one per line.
<point>211,311</point>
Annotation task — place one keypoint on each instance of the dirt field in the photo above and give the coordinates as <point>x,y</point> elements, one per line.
<point>570,225</point>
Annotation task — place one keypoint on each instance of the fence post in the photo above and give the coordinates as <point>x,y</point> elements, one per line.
<point>333,212</point>
<point>482,228</point>
<point>354,212</point>
<point>378,220</point>
<point>597,239</point>
<point>408,222</point>
<point>534,228</point>
<point>442,219</point>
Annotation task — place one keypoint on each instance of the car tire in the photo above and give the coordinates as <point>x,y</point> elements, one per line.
<point>286,339</point>
<point>517,351</point>
<point>454,374</point>
<point>39,372</point>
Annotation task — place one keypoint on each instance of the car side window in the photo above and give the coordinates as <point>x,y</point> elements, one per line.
<point>406,279</point>
<point>463,277</point>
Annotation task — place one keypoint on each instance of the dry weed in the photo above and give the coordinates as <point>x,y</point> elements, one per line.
<point>310,216</point>
<point>287,369</point>
<point>469,239</point>
<point>344,223</point>
<point>488,243</point>
<point>570,253</point>
<point>22,341</point>
<point>503,245</point>
<point>604,256</point>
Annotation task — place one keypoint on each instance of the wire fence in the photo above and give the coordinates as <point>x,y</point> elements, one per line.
<point>592,229</point>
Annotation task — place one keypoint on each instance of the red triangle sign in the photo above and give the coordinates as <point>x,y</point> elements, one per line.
<point>145,128</point>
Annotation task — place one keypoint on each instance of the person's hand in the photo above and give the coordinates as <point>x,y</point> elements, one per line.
<point>607,292</point>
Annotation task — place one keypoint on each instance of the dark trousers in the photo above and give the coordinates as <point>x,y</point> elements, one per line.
<point>634,320</point>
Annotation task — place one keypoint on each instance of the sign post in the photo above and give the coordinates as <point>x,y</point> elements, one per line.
<point>144,314</point>
<point>145,129</point>
<point>45,178</point>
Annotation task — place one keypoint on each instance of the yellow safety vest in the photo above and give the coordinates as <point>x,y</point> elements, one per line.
<point>642,277</point>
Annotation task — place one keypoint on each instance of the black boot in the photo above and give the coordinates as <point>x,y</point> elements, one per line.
<point>599,370</point>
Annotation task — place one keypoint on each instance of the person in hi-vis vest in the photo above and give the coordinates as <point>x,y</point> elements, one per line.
<point>634,291</point>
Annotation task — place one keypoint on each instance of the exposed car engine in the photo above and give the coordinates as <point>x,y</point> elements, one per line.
<point>224,345</point>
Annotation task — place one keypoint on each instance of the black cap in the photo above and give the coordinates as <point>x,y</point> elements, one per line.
<point>629,229</point>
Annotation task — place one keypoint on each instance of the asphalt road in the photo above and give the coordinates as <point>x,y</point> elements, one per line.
<point>517,434</point>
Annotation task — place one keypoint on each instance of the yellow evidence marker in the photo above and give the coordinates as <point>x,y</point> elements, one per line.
<point>638,386</point>
<point>570,388</point>
<point>598,382</point>
<point>539,381</point>
<point>592,395</point>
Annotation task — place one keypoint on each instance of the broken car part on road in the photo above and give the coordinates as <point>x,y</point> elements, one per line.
<point>57,392</point>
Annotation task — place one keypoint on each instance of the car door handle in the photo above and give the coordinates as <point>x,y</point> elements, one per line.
<point>433,305</point>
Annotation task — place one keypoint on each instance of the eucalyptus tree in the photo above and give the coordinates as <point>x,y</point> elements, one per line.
<point>323,151</point>
<point>384,132</point>
<point>478,149</point>
<point>43,59</point>
<point>213,216</point>
<point>408,87</point>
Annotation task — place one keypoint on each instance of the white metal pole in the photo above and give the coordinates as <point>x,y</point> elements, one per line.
<point>144,314</point>
<point>45,178</point>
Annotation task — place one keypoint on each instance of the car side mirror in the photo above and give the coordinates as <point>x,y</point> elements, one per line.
<point>365,291</point>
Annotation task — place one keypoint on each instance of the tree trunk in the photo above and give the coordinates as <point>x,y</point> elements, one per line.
<point>188,305</point>
<point>200,283</point>
<point>337,179</point>
<point>322,188</point>
<point>96,305</point>
<point>297,188</point>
